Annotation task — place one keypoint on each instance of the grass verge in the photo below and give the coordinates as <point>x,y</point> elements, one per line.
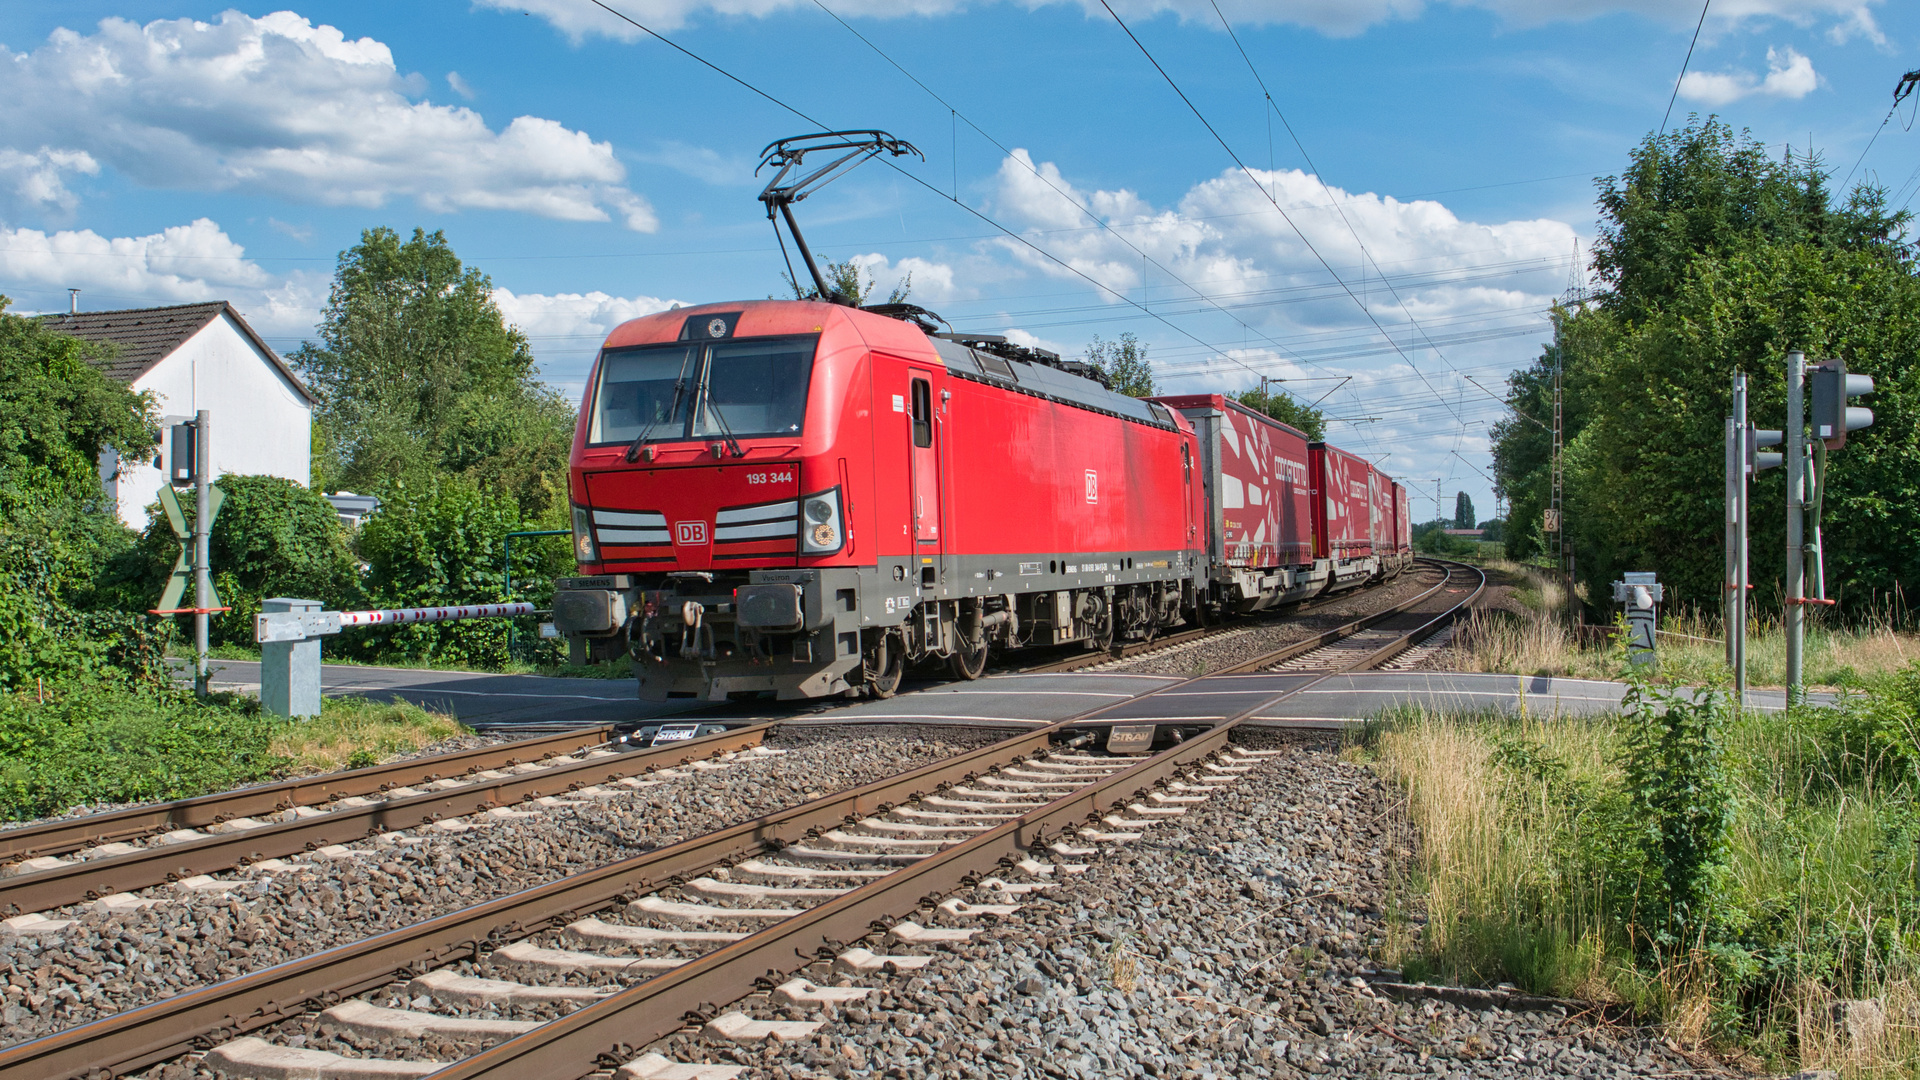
<point>1690,651</point>
<point>1748,879</point>
<point>110,742</point>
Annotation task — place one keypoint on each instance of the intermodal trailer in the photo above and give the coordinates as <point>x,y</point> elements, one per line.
<point>1343,514</point>
<point>1256,473</point>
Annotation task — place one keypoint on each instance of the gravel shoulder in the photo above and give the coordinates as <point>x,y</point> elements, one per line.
<point>107,963</point>
<point>1231,942</point>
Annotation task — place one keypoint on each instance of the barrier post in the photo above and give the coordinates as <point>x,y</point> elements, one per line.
<point>290,670</point>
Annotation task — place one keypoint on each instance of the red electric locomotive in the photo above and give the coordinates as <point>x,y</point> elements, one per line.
<point>803,497</point>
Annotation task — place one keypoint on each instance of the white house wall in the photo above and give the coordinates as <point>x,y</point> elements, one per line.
<point>261,424</point>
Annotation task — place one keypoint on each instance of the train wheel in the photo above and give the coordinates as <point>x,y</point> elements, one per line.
<point>886,665</point>
<point>969,665</point>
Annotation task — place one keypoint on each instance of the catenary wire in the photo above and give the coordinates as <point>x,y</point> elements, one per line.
<point>1671,98</point>
<point>1038,175</point>
<point>1144,51</point>
<point>1321,178</point>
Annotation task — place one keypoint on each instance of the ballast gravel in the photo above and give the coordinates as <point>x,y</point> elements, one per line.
<point>1264,633</point>
<point>1231,942</point>
<point>110,963</point>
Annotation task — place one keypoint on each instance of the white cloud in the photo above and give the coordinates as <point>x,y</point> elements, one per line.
<point>460,85</point>
<point>179,265</point>
<point>1789,75</point>
<point>35,179</point>
<point>1226,238</point>
<point>278,105</point>
<point>931,282</point>
<point>1338,18</point>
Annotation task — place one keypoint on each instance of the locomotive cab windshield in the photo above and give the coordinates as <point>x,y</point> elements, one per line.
<point>664,393</point>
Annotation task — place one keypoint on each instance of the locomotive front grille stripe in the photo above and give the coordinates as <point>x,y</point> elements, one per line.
<point>632,536</point>
<point>787,511</point>
<point>756,531</point>
<point>639,519</point>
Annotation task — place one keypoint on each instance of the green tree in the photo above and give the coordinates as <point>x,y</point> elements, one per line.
<point>1719,259</point>
<point>57,529</point>
<point>1463,511</point>
<point>440,542</point>
<point>1287,409</point>
<point>1124,360</point>
<point>418,373</point>
<point>57,412</point>
<point>847,279</point>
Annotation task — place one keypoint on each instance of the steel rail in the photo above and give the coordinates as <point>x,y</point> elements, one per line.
<point>571,1046</point>
<point>71,834</point>
<point>1412,637</point>
<point>159,863</point>
<point>577,1044</point>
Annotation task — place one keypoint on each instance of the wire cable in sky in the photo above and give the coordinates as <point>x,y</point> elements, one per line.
<point>1319,176</point>
<point>1007,154</point>
<point>1204,122</point>
<point>1900,93</point>
<point>1102,286</point>
<point>1683,66</point>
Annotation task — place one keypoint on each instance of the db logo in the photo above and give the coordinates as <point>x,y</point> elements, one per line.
<point>1093,486</point>
<point>690,533</point>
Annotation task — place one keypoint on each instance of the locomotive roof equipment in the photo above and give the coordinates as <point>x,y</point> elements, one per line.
<point>780,194</point>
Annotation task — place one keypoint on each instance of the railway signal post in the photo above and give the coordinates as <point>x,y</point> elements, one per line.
<point>1831,418</point>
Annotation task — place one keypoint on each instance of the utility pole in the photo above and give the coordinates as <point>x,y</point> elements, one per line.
<point>1556,513</point>
<point>202,545</point>
<point>1796,538</point>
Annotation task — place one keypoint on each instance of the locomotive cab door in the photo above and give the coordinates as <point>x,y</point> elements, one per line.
<point>924,454</point>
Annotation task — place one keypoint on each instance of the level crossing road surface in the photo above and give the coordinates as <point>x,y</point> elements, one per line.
<point>1011,700</point>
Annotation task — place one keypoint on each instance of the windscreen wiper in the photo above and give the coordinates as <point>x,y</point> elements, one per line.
<point>679,391</point>
<point>726,429</point>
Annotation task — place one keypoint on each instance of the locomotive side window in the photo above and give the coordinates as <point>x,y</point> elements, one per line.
<point>922,413</point>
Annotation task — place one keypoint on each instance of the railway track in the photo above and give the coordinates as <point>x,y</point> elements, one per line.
<point>681,930</point>
<point>63,835</point>
<point>1134,650</point>
<point>107,873</point>
<point>1390,634</point>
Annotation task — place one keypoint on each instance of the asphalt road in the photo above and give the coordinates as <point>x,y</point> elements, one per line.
<point>1010,700</point>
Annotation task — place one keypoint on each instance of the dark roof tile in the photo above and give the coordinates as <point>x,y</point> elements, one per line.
<point>146,336</point>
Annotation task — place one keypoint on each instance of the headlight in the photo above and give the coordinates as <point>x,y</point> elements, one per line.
<point>583,549</point>
<point>820,531</point>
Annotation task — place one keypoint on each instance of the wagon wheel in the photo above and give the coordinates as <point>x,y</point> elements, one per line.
<point>886,663</point>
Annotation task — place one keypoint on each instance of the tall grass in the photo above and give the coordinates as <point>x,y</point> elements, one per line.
<point>1690,645</point>
<point>1525,873</point>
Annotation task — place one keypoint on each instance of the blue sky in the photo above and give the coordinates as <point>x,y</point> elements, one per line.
<point>163,152</point>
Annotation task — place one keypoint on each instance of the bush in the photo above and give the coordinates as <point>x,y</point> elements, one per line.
<point>271,538</point>
<point>104,741</point>
<point>50,628</point>
<point>438,543</point>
